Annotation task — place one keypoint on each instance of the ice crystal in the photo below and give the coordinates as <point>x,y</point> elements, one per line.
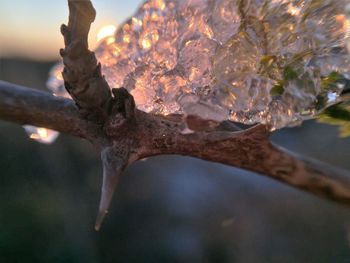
<point>276,62</point>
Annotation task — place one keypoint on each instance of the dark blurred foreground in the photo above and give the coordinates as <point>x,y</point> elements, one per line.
<point>166,209</point>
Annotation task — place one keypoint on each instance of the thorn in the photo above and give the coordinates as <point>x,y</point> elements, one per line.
<point>66,34</point>
<point>113,166</point>
<point>100,216</point>
<point>64,29</point>
<point>62,52</point>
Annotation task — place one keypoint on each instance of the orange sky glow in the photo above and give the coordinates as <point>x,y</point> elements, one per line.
<point>30,29</point>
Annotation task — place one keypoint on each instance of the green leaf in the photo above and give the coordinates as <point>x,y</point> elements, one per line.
<point>289,73</point>
<point>278,89</point>
<point>267,60</point>
<point>331,80</point>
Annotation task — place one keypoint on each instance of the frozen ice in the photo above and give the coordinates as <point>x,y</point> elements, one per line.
<point>276,62</point>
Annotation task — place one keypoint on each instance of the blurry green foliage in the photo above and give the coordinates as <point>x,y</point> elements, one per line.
<point>339,115</point>
<point>331,80</point>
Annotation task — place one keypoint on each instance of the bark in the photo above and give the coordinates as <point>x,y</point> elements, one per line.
<point>124,134</point>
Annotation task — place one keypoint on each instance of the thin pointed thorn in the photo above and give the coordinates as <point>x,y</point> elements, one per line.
<point>100,216</point>
<point>112,169</point>
<point>110,180</point>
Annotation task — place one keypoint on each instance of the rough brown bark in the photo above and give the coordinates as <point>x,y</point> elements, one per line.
<point>124,134</point>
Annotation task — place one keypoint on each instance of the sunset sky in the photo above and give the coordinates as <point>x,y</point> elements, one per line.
<point>31,28</point>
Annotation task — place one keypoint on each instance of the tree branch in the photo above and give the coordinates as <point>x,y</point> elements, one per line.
<point>149,135</point>
<point>250,149</point>
<point>29,106</point>
<point>124,134</point>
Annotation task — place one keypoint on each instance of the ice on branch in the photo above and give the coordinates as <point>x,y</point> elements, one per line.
<point>276,62</point>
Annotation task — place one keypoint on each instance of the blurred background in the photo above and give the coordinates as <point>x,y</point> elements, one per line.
<point>166,209</point>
